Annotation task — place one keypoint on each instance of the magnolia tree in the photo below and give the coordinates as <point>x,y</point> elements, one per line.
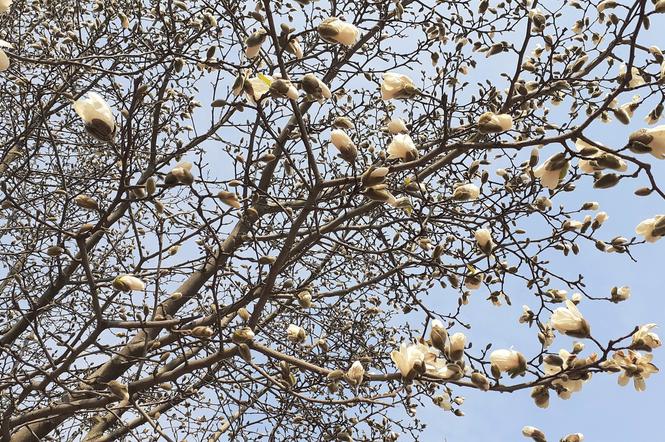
<point>265,221</point>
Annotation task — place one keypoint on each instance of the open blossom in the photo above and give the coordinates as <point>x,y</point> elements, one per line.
<point>473,279</point>
<point>315,88</point>
<point>508,361</point>
<point>575,437</point>
<point>573,382</point>
<point>570,321</point>
<point>644,339</point>
<point>490,122</point>
<point>597,159</point>
<point>466,192</point>
<point>256,87</point>
<point>254,42</point>
<point>397,86</point>
<point>653,139</point>
<point>127,283</point>
<point>356,373</point>
<point>484,240</point>
<point>402,147</point>
<point>633,365</point>
<point>552,171</point>
<point>652,229</point>
<point>97,116</point>
<point>344,144</point>
<point>440,368</point>
<point>409,359</point>
<point>4,59</point>
<point>334,30</point>
<point>397,126</point>
<point>295,333</point>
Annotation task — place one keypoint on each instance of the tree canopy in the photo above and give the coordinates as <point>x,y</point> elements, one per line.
<point>228,220</point>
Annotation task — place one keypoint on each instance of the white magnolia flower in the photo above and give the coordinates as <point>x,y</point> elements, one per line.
<point>397,126</point>
<point>5,5</point>
<point>127,283</point>
<point>229,198</point>
<point>356,373</point>
<point>409,357</point>
<point>652,229</point>
<point>626,111</point>
<point>644,339</point>
<point>402,147</point>
<point>534,433</point>
<point>466,192</point>
<point>283,89</point>
<point>438,335</point>
<point>334,30</point>
<point>442,400</point>
<point>566,386</point>
<point>606,4</point>
<point>295,333</point>
<point>381,193</point>
<point>508,361</point>
<point>484,240</point>
<point>97,116</point>
<point>600,218</point>
<point>4,59</point>
<point>315,88</point>
<point>374,176</point>
<point>597,159</point>
<point>570,321</point>
<point>489,122</point>
<point>620,294</point>
<point>181,173</point>
<point>552,171</point>
<point>257,87</point>
<point>397,86</point>
<point>634,365</point>
<point>543,203</point>
<point>473,279</point>
<point>456,345</point>
<point>344,144</point>
<point>653,138</point>
<point>254,43</point>
<point>636,76</point>
<point>293,47</point>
